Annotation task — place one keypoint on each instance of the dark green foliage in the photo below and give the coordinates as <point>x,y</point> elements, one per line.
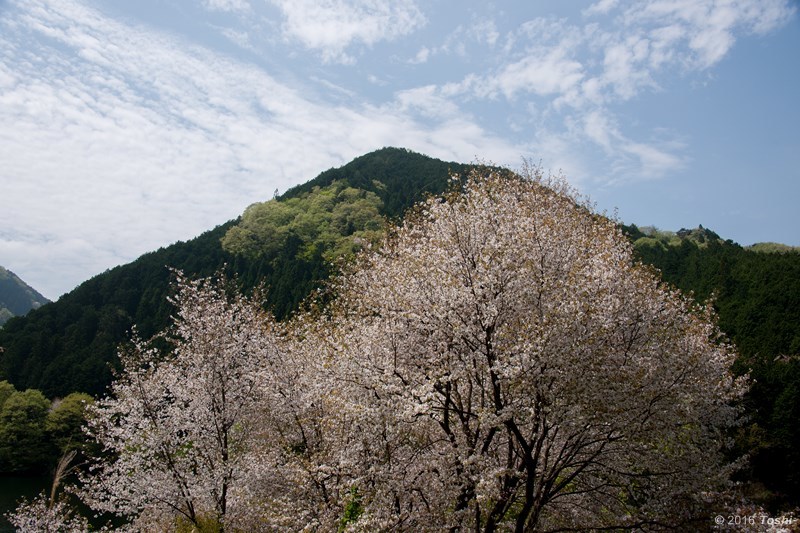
<point>16,297</point>
<point>757,297</point>
<point>70,345</point>
<point>34,432</point>
<point>23,446</point>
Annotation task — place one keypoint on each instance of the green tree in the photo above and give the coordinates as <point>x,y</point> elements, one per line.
<point>6,390</point>
<point>335,220</point>
<point>23,446</point>
<point>65,420</point>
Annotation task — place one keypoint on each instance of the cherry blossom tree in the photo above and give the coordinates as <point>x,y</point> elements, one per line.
<point>181,433</point>
<point>502,362</point>
<point>45,516</point>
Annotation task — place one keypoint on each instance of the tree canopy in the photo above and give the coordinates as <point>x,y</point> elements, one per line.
<point>180,433</point>
<point>334,221</point>
<point>500,362</point>
<point>503,363</point>
<point>71,345</point>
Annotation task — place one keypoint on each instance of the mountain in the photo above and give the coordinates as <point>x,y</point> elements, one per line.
<point>291,244</point>
<point>756,293</point>
<point>16,296</point>
<point>70,345</point>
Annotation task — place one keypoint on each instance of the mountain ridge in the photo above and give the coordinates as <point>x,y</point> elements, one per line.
<point>16,296</point>
<point>70,345</point>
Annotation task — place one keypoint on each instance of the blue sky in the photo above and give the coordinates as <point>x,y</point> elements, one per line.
<point>126,126</point>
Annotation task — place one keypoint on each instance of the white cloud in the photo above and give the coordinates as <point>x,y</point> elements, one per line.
<point>626,66</point>
<point>600,8</point>
<point>631,160</point>
<point>239,38</point>
<point>546,65</point>
<point>455,42</point>
<point>649,160</point>
<point>578,74</point>
<point>709,27</point>
<point>118,140</point>
<point>428,101</point>
<point>332,26</point>
<point>226,5</point>
<point>461,41</point>
<point>546,73</point>
<point>485,32</point>
<point>597,127</point>
<point>421,57</point>
<point>128,139</point>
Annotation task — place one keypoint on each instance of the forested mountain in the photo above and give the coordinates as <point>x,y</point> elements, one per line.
<point>757,297</point>
<point>16,296</point>
<point>288,244</point>
<point>70,345</point>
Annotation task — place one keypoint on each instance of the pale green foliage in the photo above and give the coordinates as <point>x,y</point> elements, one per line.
<point>6,390</point>
<point>655,237</point>
<point>651,242</point>
<point>336,220</point>
<point>772,247</point>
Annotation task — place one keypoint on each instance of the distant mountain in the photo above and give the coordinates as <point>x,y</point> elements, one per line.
<point>772,248</point>
<point>70,345</point>
<point>16,296</point>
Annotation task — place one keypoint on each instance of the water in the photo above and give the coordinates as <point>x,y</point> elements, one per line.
<point>13,488</point>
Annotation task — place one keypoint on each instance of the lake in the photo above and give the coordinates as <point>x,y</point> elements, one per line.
<point>12,488</point>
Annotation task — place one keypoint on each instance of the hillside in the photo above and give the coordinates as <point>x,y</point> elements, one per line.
<point>291,242</point>
<point>70,345</point>
<point>756,293</point>
<point>16,296</point>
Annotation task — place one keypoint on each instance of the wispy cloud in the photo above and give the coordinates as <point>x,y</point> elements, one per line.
<point>331,26</point>
<point>579,73</point>
<point>129,139</point>
<point>707,29</point>
<point>226,5</point>
<point>600,8</point>
<point>421,57</point>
